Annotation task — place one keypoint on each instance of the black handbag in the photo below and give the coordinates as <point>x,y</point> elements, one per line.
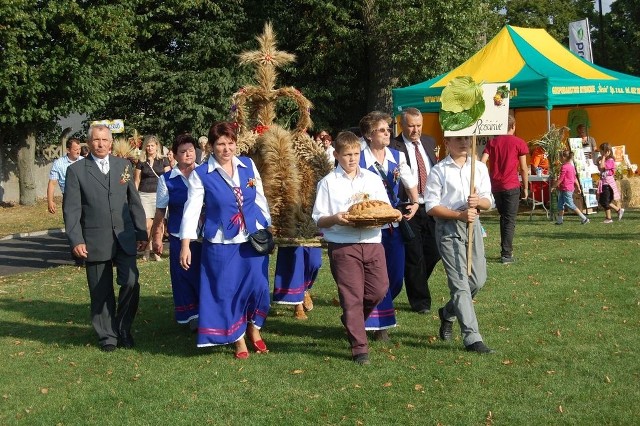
<point>406,231</point>
<point>262,241</point>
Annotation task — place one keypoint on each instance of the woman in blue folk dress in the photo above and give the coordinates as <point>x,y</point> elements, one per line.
<point>171,194</point>
<point>234,288</point>
<point>392,168</point>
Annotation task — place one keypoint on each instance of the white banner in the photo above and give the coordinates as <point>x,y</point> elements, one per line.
<point>580,39</point>
<point>116,126</point>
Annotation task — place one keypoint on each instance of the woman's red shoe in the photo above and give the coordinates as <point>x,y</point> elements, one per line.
<point>260,346</point>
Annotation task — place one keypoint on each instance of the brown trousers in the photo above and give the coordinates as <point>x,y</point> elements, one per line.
<point>360,270</point>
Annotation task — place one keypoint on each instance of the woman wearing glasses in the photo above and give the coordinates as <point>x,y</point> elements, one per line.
<point>391,166</point>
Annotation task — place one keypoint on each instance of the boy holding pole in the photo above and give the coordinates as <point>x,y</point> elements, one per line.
<point>453,204</point>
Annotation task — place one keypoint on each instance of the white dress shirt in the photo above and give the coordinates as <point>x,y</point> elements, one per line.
<point>103,163</point>
<point>411,150</point>
<point>193,206</point>
<point>337,192</point>
<point>449,185</point>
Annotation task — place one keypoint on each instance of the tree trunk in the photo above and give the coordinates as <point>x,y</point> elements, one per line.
<point>26,161</point>
<point>380,79</point>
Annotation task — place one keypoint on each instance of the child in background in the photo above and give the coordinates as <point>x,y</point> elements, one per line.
<point>453,205</point>
<point>356,255</point>
<point>607,187</point>
<point>565,184</point>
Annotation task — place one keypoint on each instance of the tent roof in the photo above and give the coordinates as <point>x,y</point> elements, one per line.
<point>542,73</point>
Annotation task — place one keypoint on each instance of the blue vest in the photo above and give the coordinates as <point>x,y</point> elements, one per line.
<point>220,202</point>
<point>178,193</point>
<point>395,186</point>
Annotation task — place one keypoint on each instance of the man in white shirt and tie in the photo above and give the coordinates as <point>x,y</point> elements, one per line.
<point>421,253</point>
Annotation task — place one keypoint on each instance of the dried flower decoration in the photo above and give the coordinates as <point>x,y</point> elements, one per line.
<point>125,176</point>
<point>251,183</point>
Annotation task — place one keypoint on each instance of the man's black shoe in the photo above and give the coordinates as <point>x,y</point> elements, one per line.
<point>126,340</point>
<point>480,347</point>
<point>422,311</point>
<point>446,326</point>
<point>108,348</point>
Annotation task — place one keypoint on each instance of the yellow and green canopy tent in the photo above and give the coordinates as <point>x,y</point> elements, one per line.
<point>548,83</point>
<point>541,71</point>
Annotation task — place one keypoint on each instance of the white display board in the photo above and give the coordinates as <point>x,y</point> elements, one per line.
<point>584,169</point>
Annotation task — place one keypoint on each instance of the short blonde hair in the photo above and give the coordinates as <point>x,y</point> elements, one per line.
<point>346,140</point>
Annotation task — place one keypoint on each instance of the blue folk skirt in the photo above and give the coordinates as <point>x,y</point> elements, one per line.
<point>185,284</point>
<point>234,290</point>
<point>383,316</point>
<point>296,271</point>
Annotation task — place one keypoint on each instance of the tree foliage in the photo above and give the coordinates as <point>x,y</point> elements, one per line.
<point>621,37</point>
<point>552,15</point>
<point>56,56</point>
<point>183,67</point>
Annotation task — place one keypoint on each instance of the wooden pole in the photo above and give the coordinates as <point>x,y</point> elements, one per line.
<point>471,190</point>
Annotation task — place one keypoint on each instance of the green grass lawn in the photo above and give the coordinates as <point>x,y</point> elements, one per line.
<point>564,319</point>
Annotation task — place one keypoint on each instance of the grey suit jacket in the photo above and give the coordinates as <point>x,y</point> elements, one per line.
<point>99,209</point>
<point>429,145</point>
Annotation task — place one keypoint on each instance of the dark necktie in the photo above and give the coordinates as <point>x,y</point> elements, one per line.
<point>422,170</point>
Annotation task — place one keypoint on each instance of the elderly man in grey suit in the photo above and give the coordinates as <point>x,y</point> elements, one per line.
<point>106,225</point>
<point>421,253</point>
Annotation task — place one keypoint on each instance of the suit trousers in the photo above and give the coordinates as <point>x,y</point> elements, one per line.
<point>421,257</point>
<point>106,321</point>
<point>360,270</point>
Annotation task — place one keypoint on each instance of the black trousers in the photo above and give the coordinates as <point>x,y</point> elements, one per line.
<point>107,322</point>
<point>421,257</point>
<point>507,203</point>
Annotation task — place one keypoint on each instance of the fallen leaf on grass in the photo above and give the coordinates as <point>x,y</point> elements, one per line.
<point>489,419</point>
<point>551,371</point>
<point>386,385</point>
<point>418,387</point>
<point>136,377</point>
<point>410,406</point>
<point>560,409</point>
<point>507,362</point>
<point>557,333</point>
<point>605,308</point>
<point>297,372</point>
<point>44,391</point>
<point>607,379</point>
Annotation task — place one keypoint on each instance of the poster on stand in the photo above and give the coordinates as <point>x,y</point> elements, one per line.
<point>584,169</point>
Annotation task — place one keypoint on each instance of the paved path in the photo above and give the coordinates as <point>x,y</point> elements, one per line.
<point>34,252</point>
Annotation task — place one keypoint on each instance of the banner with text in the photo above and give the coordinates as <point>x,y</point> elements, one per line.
<point>494,119</point>
<point>580,39</point>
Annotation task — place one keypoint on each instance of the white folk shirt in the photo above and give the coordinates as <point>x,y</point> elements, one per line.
<point>193,206</point>
<point>448,184</point>
<point>411,150</point>
<point>337,192</point>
